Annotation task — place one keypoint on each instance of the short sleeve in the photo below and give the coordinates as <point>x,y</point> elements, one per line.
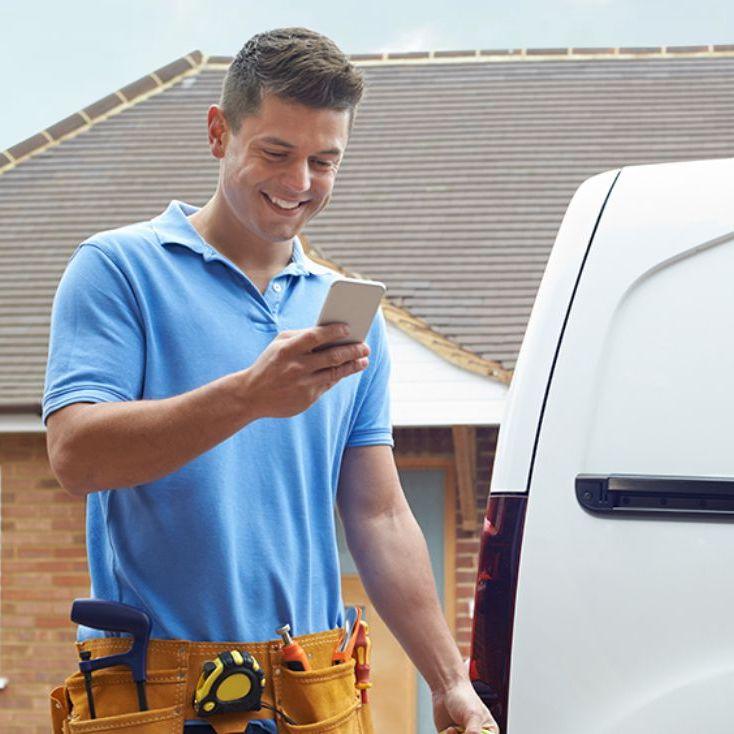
<point>371,417</point>
<point>97,343</point>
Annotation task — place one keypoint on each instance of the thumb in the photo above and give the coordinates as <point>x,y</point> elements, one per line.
<point>473,725</point>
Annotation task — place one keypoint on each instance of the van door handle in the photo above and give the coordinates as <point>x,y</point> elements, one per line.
<point>649,493</point>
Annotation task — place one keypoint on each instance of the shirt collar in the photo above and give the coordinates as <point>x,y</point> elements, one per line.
<point>173,228</point>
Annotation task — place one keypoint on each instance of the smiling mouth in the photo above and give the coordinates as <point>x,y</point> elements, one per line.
<point>283,204</point>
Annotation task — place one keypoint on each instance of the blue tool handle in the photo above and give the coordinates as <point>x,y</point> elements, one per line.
<point>115,617</point>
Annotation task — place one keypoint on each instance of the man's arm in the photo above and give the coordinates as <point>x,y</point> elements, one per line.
<point>121,444</point>
<point>393,562</point>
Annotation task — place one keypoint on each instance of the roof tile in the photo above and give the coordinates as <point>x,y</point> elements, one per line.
<point>220,59</point>
<point>365,57</point>
<point>589,50</point>
<point>686,49</point>
<point>28,145</point>
<point>453,54</point>
<point>102,106</point>
<point>546,52</point>
<point>66,126</point>
<point>400,55</point>
<point>196,56</point>
<point>640,50</point>
<point>169,71</point>
<point>501,52</point>
<point>139,87</point>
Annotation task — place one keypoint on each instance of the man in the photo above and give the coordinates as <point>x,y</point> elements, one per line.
<point>185,399</point>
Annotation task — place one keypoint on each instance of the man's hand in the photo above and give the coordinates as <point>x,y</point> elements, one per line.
<point>460,709</point>
<point>288,377</point>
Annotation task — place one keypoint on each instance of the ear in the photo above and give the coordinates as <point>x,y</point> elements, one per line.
<point>218,131</point>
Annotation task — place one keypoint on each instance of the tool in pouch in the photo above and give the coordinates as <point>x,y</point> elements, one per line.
<point>234,682</point>
<point>344,649</point>
<point>355,643</point>
<point>362,647</point>
<point>114,617</point>
<point>292,653</point>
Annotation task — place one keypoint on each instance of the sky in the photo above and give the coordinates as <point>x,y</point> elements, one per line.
<point>58,57</point>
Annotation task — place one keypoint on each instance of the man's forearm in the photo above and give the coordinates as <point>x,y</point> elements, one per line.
<point>392,558</point>
<point>122,444</point>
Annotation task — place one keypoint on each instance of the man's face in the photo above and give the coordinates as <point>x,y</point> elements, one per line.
<point>278,170</point>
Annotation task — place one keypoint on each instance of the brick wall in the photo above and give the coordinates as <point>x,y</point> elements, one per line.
<point>44,568</point>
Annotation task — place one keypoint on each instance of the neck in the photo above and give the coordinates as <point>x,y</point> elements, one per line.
<point>222,230</point>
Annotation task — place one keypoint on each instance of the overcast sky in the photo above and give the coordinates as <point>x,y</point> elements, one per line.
<point>57,57</point>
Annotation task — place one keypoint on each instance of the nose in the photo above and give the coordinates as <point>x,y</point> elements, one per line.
<point>296,178</point>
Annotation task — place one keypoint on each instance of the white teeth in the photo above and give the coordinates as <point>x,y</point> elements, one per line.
<point>282,203</point>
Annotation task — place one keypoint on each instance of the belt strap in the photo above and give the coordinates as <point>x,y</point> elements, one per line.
<point>183,659</point>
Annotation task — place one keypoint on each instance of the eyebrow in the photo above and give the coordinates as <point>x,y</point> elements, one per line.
<point>286,144</point>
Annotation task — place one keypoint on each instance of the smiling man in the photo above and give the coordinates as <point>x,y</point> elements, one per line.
<point>185,400</point>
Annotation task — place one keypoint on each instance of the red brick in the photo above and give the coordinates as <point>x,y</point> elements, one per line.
<point>465,577</point>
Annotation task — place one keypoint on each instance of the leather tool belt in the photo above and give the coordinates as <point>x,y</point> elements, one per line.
<point>323,699</point>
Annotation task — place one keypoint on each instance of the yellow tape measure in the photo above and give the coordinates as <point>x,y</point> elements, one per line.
<point>232,682</point>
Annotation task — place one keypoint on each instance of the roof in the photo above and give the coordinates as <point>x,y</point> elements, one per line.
<point>459,170</point>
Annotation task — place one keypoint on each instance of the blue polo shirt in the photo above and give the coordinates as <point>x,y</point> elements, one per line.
<point>240,540</point>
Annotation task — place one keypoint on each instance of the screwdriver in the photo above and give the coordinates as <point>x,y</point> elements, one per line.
<point>86,655</point>
<point>362,647</point>
<point>293,655</point>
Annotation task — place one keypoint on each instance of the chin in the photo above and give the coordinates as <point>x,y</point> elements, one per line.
<point>282,235</point>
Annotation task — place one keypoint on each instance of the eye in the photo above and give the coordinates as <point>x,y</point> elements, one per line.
<point>274,154</point>
<point>324,164</point>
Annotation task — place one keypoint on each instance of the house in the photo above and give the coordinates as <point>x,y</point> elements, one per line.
<point>459,170</point>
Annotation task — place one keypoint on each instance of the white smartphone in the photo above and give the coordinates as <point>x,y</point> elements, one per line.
<point>352,302</point>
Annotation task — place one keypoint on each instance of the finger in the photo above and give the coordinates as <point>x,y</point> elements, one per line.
<point>474,726</point>
<point>317,336</point>
<point>335,356</point>
<point>331,375</point>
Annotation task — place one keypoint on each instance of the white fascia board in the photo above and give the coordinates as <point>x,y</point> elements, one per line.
<point>21,423</point>
<point>426,390</point>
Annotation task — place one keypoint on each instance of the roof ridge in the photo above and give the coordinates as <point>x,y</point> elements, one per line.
<point>524,54</point>
<point>419,329</point>
<point>112,104</point>
<point>167,75</point>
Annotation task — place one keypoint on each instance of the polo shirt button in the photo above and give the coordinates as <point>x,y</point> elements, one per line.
<point>277,287</point>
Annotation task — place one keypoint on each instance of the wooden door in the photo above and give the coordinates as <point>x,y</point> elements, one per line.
<point>393,694</point>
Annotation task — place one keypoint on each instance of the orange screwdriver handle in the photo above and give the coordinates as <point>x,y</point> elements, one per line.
<point>294,657</point>
<point>362,646</point>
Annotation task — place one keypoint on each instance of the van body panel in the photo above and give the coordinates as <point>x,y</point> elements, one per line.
<point>530,378</point>
<point>624,622</point>
<point>672,708</point>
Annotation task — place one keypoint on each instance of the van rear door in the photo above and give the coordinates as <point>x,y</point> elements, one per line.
<point>624,616</point>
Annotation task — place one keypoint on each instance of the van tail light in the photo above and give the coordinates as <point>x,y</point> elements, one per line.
<point>494,601</point>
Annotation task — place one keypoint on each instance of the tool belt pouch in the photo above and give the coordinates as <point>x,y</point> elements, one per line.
<point>116,703</point>
<point>322,700</point>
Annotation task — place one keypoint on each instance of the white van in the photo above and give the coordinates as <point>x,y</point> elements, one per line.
<point>605,594</point>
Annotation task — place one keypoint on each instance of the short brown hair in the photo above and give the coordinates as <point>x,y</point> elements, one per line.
<point>296,64</point>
